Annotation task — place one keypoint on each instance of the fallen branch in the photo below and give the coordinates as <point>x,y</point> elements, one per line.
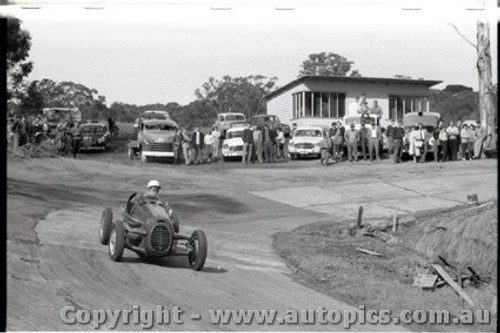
<point>373,253</point>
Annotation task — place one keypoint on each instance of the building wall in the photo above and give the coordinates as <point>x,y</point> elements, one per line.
<point>282,104</point>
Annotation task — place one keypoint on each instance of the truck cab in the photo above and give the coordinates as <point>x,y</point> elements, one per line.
<point>155,138</point>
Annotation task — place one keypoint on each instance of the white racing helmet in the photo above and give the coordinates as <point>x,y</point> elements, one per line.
<point>153,183</point>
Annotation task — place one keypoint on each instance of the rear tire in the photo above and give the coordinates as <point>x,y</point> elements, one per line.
<point>117,241</point>
<point>105,227</point>
<point>198,253</point>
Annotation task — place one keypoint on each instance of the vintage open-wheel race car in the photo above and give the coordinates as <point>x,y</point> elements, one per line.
<point>150,228</point>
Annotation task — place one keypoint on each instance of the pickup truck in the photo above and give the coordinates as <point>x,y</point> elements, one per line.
<point>155,138</point>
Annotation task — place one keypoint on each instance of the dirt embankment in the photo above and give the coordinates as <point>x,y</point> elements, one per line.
<point>465,237</point>
<point>325,258</point>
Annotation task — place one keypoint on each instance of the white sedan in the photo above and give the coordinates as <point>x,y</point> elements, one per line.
<point>233,143</point>
<point>306,142</point>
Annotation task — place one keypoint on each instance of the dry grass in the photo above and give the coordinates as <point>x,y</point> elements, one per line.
<point>325,258</point>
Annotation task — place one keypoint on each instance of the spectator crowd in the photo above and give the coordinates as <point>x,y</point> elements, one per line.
<point>269,143</point>
<point>64,138</point>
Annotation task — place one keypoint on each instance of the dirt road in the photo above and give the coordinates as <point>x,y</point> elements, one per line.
<point>55,259</point>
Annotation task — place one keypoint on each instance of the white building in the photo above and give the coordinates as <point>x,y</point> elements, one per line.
<point>323,99</point>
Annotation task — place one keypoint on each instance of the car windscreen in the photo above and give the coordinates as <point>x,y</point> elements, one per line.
<point>234,117</point>
<point>155,116</point>
<point>235,134</point>
<point>426,120</point>
<point>308,132</point>
<point>427,128</point>
<point>89,130</point>
<point>359,120</point>
<point>159,127</point>
<point>264,119</point>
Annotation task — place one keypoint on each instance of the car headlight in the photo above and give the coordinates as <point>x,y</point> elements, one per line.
<point>225,146</point>
<point>146,142</point>
<point>291,144</point>
<point>317,144</point>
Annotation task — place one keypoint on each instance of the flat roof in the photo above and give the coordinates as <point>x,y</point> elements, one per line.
<point>303,79</point>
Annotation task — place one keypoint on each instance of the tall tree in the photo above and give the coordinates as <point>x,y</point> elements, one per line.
<point>49,93</point>
<point>327,64</point>
<point>239,94</point>
<point>18,47</point>
<point>487,93</point>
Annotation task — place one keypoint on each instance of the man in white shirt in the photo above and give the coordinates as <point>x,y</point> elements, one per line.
<point>215,137</point>
<point>353,109</point>
<point>208,142</point>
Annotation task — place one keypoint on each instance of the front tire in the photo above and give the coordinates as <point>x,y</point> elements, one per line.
<point>198,250</point>
<point>105,227</point>
<point>117,241</point>
<point>175,224</point>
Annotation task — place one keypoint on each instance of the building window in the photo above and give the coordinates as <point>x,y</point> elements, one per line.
<point>307,104</point>
<point>401,105</point>
<point>325,111</point>
<point>318,104</point>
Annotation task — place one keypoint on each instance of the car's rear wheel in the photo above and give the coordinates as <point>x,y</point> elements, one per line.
<point>116,241</point>
<point>105,226</point>
<point>197,250</point>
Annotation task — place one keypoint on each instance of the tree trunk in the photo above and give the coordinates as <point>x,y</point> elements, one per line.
<point>486,108</point>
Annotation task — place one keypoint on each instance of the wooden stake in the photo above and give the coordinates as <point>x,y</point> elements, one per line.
<point>395,222</point>
<point>360,216</point>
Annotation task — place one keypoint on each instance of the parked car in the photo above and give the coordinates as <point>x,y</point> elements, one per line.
<point>429,120</point>
<point>224,121</point>
<point>269,120</point>
<point>306,141</point>
<point>95,136</point>
<point>154,139</point>
<point>150,228</point>
<point>56,115</point>
<point>232,146</point>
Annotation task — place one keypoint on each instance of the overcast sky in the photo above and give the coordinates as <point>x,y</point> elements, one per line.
<point>160,54</point>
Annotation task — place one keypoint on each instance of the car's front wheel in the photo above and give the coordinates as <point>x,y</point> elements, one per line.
<point>105,226</point>
<point>197,250</point>
<point>116,241</point>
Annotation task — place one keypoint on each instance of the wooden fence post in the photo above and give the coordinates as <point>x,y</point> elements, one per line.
<point>360,217</point>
